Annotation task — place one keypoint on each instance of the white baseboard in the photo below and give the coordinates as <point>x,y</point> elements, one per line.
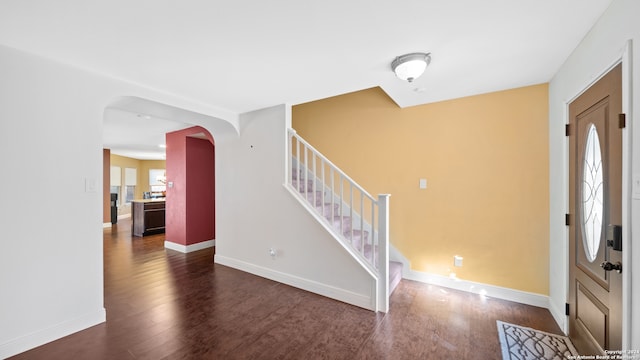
<point>363,301</point>
<point>189,248</point>
<point>487,290</point>
<point>40,337</point>
<point>560,317</point>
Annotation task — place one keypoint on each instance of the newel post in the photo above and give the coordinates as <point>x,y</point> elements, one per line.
<point>383,252</point>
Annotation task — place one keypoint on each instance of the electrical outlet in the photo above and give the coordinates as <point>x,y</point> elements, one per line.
<point>457,261</point>
<point>272,252</point>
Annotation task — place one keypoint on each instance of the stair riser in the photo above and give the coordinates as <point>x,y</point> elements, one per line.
<point>325,209</point>
<point>303,186</point>
<point>357,239</point>
<point>315,198</point>
<point>345,220</point>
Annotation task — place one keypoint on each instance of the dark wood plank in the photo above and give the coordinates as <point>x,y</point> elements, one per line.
<point>162,304</point>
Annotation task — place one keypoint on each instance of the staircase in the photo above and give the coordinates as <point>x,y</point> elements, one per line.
<point>356,219</point>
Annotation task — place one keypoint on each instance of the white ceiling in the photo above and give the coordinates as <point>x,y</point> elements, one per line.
<point>136,135</point>
<point>244,55</point>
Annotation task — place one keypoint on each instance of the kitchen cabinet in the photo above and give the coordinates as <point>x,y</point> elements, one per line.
<point>148,217</point>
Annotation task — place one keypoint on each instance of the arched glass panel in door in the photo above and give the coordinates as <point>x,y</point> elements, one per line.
<point>592,194</point>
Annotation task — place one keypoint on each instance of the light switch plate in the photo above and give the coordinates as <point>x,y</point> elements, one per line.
<point>423,183</point>
<point>457,260</point>
<point>90,185</point>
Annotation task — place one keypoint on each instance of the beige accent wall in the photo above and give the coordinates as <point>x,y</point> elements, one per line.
<point>485,159</point>
<point>145,166</point>
<point>142,172</point>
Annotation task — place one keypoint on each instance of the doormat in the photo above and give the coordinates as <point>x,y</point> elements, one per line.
<point>522,343</point>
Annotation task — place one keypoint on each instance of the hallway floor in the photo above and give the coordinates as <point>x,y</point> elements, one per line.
<point>163,304</point>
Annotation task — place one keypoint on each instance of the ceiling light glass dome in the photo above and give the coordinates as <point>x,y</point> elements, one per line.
<point>410,66</point>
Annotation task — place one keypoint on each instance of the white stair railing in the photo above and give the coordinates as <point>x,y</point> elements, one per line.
<point>356,218</point>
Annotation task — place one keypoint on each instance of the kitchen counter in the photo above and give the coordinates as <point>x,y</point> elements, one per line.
<point>148,216</point>
<point>149,200</point>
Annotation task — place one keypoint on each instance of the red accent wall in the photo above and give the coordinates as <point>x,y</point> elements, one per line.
<point>190,203</point>
<point>200,190</point>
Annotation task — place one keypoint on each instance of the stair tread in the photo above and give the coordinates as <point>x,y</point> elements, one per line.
<point>337,220</point>
<point>356,231</point>
<point>326,204</point>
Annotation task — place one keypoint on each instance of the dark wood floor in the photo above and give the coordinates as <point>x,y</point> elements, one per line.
<point>163,304</point>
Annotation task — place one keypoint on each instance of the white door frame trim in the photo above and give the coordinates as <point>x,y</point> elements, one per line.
<point>624,58</point>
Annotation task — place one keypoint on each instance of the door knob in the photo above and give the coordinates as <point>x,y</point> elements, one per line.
<point>607,266</point>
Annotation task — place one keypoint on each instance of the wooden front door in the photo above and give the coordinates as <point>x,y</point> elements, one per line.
<point>595,188</point>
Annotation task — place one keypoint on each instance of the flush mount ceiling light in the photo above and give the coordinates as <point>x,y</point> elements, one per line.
<point>410,66</point>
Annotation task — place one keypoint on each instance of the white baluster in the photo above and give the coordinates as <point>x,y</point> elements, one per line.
<point>313,183</point>
<point>374,232</point>
<point>306,172</point>
<point>362,225</point>
<point>351,211</point>
<point>322,185</point>
<point>289,171</point>
<point>341,202</point>
<point>298,170</point>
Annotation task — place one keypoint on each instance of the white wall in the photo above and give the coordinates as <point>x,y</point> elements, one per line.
<point>51,256</point>
<point>255,213</point>
<point>605,45</point>
<point>51,276</point>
